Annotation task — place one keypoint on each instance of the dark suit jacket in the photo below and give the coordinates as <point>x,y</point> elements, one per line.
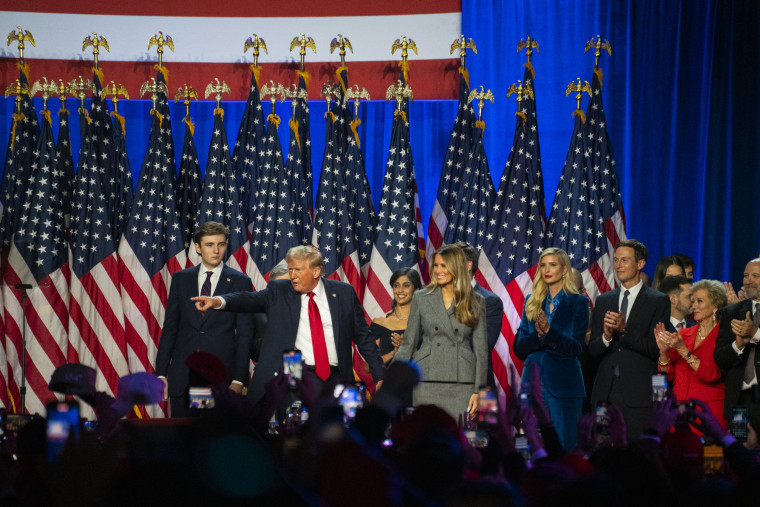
<point>671,328</point>
<point>627,365</point>
<point>494,314</point>
<point>186,330</point>
<point>557,353</point>
<point>282,304</point>
<point>726,357</point>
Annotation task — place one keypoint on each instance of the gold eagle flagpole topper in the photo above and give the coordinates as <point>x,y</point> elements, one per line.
<point>404,45</point>
<point>578,88</point>
<point>257,44</point>
<point>21,36</point>
<point>48,89</point>
<point>598,45</point>
<point>522,91</point>
<point>80,88</point>
<point>399,91</point>
<point>63,89</point>
<point>96,42</point>
<point>160,40</point>
<point>154,89</point>
<point>463,46</point>
<point>303,43</point>
<point>482,96</point>
<point>218,88</point>
<point>273,90</point>
<point>356,94</point>
<point>341,43</point>
<point>187,93</point>
<point>115,90</point>
<point>529,45</point>
<point>329,91</point>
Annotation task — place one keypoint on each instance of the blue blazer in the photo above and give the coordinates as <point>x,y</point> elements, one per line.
<point>557,353</point>
<point>187,330</point>
<point>282,304</point>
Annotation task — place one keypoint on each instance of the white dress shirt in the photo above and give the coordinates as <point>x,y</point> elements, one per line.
<point>217,273</point>
<point>632,293</point>
<point>303,336</point>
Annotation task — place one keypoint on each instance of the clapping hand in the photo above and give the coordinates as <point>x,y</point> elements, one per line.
<point>744,329</point>
<point>613,323</point>
<point>665,339</point>
<point>542,323</point>
<point>731,294</point>
<point>397,339</point>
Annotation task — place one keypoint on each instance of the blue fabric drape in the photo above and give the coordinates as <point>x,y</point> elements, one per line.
<point>680,96</point>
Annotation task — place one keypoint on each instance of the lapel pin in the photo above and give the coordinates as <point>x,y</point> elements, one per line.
<point>333,295</point>
<point>228,279</point>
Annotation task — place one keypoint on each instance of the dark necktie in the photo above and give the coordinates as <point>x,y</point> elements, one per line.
<point>321,362</point>
<point>624,305</point>
<point>206,288</point>
<point>679,326</point>
<point>749,368</point>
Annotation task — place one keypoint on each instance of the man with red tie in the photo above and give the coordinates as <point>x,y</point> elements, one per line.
<point>186,329</point>
<point>318,316</point>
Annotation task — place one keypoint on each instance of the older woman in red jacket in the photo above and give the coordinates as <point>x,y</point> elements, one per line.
<point>687,356</point>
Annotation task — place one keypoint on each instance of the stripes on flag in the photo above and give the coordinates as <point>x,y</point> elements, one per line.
<point>220,200</point>
<point>515,235</point>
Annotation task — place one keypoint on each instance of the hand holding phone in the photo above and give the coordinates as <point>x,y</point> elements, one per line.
<point>292,366</point>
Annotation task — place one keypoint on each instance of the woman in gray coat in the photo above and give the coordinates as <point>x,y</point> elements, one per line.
<point>446,337</point>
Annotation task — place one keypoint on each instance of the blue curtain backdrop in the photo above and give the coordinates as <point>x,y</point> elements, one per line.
<point>680,95</point>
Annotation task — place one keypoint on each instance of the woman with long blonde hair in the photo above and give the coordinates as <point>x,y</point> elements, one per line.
<point>552,335</point>
<point>446,337</point>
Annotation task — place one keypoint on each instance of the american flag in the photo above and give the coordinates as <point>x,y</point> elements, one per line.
<point>274,225</point>
<point>189,187</point>
<point>220,201</point>
<point>471,198</point>
<point>396,243</point>
<point>298,170</point>
<point>575,222</point>
<point>65,163</point>
<point>150,251</point>
<point>96,319</point>
<point>22,142</point>
<point>601,277</point>
<point>162,106</point>
<point>39,257</point>
<point>453,170</point>
<point>122,187</point>
<point>515,234</point>
<point>101,131</point>
<point>248,149</point>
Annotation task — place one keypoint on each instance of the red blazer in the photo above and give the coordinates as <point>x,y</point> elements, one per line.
<point>707,382</point>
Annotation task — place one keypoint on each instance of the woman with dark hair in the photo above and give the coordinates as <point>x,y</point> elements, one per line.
<point>687,356</point>
<point>551,336</point>
<point>446,337</point>
<point>670,265</point>
<point>389,330</point>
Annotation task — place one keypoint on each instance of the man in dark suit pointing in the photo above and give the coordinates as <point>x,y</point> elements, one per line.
<point>187,330</point>
<point>622,338</point>
<point>318,316</point>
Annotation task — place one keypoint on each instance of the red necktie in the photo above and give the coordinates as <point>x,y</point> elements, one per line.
<point>321,362</point>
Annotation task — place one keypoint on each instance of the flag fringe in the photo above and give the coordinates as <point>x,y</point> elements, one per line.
<point>256,74</point>
<point>24,68</point>
<point>599,75</point>
<point>190,125</point>
<point>529,66</point>
<point>480,124</point>
<point>405,70</point>
<point>580,113</point>
<point>402,113</point>
<point>466,75</point>
<point>17,117</point>
<point>339,75</point>
<point>273,118</point>
<point>219,111</point>
<point>164,72</point>
<point>354,125</point>
<point>100,75</point>
<point>159,116</point>
<point>120,118</point>
<point>331,115</point>
<point>524,118</point>
<point>46,114</point>
<point>294,127</point>
<point>305,75</point>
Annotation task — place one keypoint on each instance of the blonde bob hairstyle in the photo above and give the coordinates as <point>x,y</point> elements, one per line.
<point>467,304</point>
<point>540,288</point>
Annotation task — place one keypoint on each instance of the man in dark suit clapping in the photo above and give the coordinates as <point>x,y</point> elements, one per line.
<point>186,330</point>
<point>622,338</point>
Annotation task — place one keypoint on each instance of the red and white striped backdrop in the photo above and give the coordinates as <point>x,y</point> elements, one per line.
<point>209,41</point>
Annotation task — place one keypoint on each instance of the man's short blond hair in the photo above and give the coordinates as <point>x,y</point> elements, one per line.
<point>308,253</point>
